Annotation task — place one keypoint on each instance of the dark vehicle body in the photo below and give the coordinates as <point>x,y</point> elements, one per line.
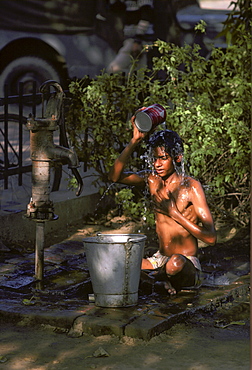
<point>64,39</point>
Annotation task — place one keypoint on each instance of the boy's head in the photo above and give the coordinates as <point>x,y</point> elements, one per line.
<point>168,139</point>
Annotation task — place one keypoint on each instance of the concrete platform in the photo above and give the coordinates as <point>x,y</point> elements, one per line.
<point>143,321</point>
<point>66,301</point>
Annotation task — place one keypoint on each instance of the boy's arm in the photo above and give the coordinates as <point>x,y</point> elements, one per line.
<point>206,232</point>
<point>116,173</point>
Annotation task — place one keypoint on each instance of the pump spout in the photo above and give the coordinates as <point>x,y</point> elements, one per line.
<point>60,152</point>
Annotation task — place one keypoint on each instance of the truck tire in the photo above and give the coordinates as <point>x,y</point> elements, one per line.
<point>27,69</point>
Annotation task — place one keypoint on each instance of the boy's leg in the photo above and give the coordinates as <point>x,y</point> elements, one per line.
<point>146,265</point>
<point>176,272</point>
<point>154,262</point>
<point>181,273</point>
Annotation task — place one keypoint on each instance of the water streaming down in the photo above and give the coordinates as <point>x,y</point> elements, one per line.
<point>106,192</point>
<point>148,166</point>
<point>180,169</point>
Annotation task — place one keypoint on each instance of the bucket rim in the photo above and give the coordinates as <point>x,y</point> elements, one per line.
<point>102,238</point>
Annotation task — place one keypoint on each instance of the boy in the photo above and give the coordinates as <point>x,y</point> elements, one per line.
<point>181,211</point>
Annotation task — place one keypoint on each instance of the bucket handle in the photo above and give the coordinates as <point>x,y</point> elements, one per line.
<point>128,243</point>
<point>132,240</point>
<point>129,240</point>
<point>99,235</point>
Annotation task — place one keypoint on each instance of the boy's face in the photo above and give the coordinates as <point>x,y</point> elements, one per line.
<point>163,163</point>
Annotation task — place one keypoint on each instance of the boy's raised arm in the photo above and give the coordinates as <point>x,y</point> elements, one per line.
<point>116,173</point>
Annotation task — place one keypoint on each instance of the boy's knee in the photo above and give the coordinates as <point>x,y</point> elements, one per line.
<point>175,264</point>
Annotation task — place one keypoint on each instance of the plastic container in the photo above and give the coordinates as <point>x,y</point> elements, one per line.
<point>149,118</point>
<point>114,262</point>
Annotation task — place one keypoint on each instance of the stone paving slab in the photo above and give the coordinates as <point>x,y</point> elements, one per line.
<point>16,312</point>
<point>156,322</point>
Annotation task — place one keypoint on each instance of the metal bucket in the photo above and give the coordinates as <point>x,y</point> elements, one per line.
<point>114,262</point>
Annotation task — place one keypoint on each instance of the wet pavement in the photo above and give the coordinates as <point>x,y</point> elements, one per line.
<point>67,301</point>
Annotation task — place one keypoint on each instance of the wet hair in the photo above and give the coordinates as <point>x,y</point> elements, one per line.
<point>168,139</point>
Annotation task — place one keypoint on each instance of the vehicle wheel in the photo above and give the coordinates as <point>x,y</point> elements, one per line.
<point>27,69</point>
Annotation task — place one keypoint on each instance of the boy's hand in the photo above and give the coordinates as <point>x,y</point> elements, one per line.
<point>165,203</point>
<point>190,214</point>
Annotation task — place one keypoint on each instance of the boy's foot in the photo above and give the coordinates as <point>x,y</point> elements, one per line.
<point>163,279</point>
<point>169,288</point>
<point>165,287</point>
<point>162,282</point>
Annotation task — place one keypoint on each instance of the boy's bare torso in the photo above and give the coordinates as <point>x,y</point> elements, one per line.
<point>173,238</point>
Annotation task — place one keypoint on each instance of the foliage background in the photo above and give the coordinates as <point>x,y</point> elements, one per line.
<point>208,102</point>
